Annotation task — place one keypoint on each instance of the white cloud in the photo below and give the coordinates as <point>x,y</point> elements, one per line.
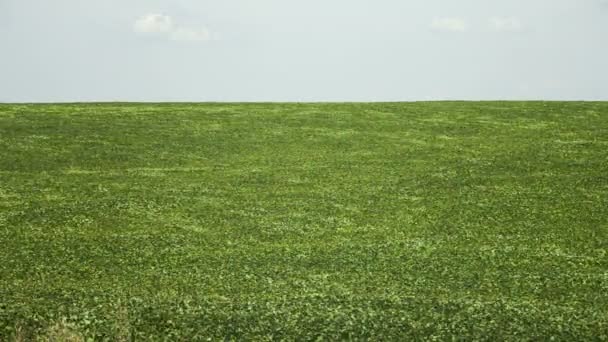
<point>449,24</point>
<point>190,35</point>
<point>153,23</point>
<point>506,24</point>
<point>164,25</point>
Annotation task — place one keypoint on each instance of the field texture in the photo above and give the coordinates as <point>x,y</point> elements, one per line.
<point>304,221</point>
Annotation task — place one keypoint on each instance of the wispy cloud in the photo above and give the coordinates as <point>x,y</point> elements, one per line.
<point>449,25</point>
<point>164,26</point>
<point>153,23</point>
<point>506,24</point>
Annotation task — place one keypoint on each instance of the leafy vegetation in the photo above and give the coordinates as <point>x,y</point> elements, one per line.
<point>304,221</point>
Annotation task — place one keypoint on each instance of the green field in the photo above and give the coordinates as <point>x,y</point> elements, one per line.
<point>386,221</point>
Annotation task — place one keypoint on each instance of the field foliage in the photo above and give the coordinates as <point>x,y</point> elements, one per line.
<point>386,221</point>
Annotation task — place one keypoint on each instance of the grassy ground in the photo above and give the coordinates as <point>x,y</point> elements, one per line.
<point>304,221</point>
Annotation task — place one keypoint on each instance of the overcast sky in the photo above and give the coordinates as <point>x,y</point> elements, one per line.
<point>313,50</point>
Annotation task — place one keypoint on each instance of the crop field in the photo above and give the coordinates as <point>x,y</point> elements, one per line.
<point>331,221</point>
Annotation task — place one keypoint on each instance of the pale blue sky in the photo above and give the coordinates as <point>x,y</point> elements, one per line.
<point>314,50</point>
